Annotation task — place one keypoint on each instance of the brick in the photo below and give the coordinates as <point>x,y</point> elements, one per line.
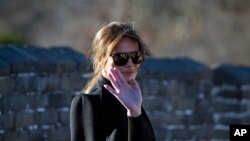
<point>232,74</point>
<point>200,119</point>
<point>24,119</point>
<point>6,84</point>
<point>175,89</point>
<point>181,134</point>
<point>6,121</point>
<point>72,82</point>
<point>245,119</point>
<point>246,94</point>
<point>27,82</point>
<point>19,62</point>
<point>163,135</point>
<point>49,82</point>
<point>192,87</point>
<point>5,67</point>
<point>222,106</point>
<point>201,104</point>
<point>233,94</point>
<point>1,137</point>
<point>14,102</point>
<point>59,134</point>
<point>220,134</point>
<point>37,100</point>
<point>16,136</point>
<point>64,117</point>
<point>203,132</point>
<point>184,104</point>
<point>46,118</point>
<point>168,119</point>
<point>36,135</point>
<point>146,90</point>
<point>58,100</point>
<point>229,120</point>
<point>161,105</point>
<point>205,86</point>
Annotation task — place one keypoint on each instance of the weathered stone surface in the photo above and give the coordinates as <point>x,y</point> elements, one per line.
<point>47,117</point>
<point>231,74</point>
<point>181,96</point>
<point>7,121</point>
<point>24,119</point>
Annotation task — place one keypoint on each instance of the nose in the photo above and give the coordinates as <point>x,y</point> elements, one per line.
<point>129,63</point>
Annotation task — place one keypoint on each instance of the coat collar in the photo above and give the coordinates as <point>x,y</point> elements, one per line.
<point>98,89</point>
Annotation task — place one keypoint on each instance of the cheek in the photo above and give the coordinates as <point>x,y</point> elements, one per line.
<point>137,66</point>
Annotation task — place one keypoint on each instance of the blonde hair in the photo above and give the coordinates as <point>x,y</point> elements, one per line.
<point>106,39</point>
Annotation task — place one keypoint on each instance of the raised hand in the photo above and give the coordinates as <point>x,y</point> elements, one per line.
<point>128,93</point>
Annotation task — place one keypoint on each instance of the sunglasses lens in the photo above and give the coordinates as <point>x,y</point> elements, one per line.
<point>137,57</point>
<point>120,59</point>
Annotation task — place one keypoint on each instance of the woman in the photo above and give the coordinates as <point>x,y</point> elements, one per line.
<point>110,107</point>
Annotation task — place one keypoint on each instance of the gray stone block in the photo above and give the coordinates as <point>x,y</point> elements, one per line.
<point>5,67</point>
<point>19,62</point>
<point>16,136</point>
<point>232,74</point>
<point>24,119</point>
<point>37,100</point>
<point>14,102</point>
<point>64,118</point>
<point>59,134</point>
<point>6,84</point>
<point>72,82</point>
<point>6,121</point>
<point>59,100</point>
<point>36,135</point>
<point>48,82</point>
<point>26,82</point>
<point>48,117</point>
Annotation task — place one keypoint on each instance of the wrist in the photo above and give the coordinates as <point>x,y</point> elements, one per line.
<point>135,113</point>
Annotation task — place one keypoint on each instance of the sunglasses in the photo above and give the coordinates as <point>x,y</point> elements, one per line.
<point>121,59</point>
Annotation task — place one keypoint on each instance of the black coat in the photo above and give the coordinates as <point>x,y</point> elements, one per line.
<point>99,116</point>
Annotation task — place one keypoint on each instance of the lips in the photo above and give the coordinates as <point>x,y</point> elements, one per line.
<point>128,72</point>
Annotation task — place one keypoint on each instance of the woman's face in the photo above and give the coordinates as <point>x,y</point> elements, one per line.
<point>129,70</point>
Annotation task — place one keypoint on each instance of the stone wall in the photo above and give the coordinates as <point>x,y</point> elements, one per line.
<point>185,99</point>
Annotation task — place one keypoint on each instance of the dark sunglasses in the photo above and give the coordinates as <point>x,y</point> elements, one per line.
<point>121,59</point>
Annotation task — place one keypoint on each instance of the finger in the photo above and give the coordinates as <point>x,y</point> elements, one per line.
<point>113,82</point>
<point>120,76</point>
<point>116,77</point>
<point>110,89</point>
<point>133,83</point>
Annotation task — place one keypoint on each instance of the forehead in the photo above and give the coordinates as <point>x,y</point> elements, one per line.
<point>126,45</point>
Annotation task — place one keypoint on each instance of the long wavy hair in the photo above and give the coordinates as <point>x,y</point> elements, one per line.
<point>105,41</point>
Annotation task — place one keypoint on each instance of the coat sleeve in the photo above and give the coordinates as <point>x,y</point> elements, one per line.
<point>84,118</point>
<point>140,128</point>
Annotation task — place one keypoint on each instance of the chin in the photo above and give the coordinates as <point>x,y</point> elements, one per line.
<point>128,77</point>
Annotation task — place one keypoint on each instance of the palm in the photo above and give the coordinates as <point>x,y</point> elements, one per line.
<point>128,93</point>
